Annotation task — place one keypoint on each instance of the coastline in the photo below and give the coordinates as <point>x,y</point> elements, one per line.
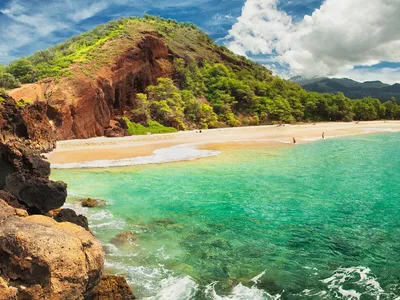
<point>190,145</point>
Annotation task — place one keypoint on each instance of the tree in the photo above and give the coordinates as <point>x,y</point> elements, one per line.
<point>8,81</point>
<point>141,112</point>
<point>166,105</point>
<point>23,70</point>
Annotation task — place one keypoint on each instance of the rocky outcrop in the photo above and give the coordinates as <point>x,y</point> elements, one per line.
<point>69,215</point>
<point>43,259</point>
<point>81,106</point>
<point>24,174</point>
<point>111,287</point>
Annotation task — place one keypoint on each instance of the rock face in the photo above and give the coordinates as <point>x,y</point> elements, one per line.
<point>111,287</point>
<point>43,259</point>
<point>82,106</point>
<point>25,133</point>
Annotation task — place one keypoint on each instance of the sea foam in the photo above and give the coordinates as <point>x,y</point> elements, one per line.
<point>240,292</point>
<point>184,152</point>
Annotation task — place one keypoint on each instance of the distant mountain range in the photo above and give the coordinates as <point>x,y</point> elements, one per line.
<point>350,88</point>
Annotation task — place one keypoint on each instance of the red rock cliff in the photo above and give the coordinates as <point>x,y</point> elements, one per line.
<point>82,105</point>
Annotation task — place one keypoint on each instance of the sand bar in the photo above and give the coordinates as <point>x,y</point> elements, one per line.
<point>96,149</point>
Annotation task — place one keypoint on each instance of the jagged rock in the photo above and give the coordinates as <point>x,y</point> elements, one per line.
<point>40,195</point>
<point>89,202</point>
<point>123,238</point>
<point>44,259</point>
<point>30,123</point>
<point>68,215</point>
<point>25,133</point>
<point>111,287</point>
<point>10,199</point>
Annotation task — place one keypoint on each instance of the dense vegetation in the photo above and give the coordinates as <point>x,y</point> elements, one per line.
<point>215,95</point>
<point>212,87</point>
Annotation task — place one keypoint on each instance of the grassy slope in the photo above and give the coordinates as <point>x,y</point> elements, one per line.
<point>96,48</point>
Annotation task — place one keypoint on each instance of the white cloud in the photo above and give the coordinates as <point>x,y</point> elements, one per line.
<point>386,75</point>
<point>332,40</point>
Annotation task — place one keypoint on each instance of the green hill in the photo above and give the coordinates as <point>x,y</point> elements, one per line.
<point>161,74</point>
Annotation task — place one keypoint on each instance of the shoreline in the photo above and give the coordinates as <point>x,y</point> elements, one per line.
<point>189,145</point>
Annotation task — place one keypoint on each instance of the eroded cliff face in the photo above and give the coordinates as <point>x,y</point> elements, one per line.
<point>43,257</point>
<point>82,105</point>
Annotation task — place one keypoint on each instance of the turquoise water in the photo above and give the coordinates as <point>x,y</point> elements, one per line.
<point>314,221</point>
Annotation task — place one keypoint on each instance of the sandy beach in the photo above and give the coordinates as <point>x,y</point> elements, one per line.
<point>75,152</point>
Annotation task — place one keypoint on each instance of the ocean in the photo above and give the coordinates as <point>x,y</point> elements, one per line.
<point>313,221</point>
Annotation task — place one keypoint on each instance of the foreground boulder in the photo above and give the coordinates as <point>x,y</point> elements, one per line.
<point>43,259</point>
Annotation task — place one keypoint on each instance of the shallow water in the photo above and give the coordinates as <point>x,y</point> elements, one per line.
<point>314,221</point>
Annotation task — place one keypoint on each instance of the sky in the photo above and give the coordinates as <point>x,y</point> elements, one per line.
<point>358,39</point>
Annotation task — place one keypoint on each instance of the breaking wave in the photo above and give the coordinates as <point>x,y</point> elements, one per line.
<point>172,154</point>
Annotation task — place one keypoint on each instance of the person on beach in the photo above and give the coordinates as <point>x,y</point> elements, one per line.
<point>323,135</point>
<point>294,141</point>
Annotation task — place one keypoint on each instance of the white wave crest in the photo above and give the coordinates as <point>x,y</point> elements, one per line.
<point>172,154</point>
<point>240,292</point>
<point>359,277</point>
<point>177,288</point>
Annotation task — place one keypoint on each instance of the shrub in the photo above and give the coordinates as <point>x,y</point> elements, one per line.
<point>153,128</point>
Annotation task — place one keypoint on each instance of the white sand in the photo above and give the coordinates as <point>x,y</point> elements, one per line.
<point>183,145</point>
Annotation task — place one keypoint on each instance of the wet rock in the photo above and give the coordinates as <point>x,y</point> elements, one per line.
<point>123,238</point>
<point>111,287</point>
<point>68,215</point>
<point>44,259</point>
<point>89,202</point>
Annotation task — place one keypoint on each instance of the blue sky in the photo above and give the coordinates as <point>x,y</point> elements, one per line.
<point>292,37</point>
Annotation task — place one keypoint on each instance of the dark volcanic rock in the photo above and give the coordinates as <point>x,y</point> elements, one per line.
<point>40,195</point>
<point>10,199</point>
<point>111,287</point>
<point>25,133</point>
<point>39,257</point>
<point>68,215</point>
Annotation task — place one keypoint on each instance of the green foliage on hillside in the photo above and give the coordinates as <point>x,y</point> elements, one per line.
<point>84,47</point>
<point>3,94</point>
<point>7,80</point>
<point>212,87</point>
<point>253,96</point>
<point>216,95</point>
